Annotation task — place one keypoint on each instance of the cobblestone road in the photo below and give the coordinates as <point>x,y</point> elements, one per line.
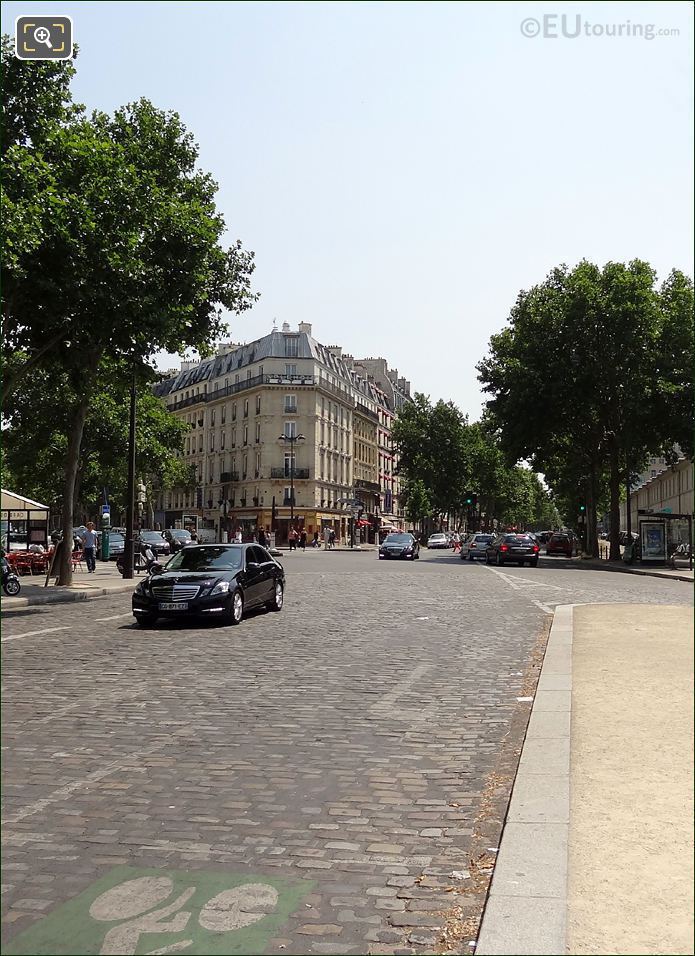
<point>344,757</point>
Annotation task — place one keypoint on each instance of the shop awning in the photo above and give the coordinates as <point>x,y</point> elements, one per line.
<point>14,502</point>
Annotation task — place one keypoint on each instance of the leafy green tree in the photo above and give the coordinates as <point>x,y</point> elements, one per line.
<point>432,441</point>
<point>582,381</point>
<point>121,256</point>
<point>34,445</point>
<point>417,502</point>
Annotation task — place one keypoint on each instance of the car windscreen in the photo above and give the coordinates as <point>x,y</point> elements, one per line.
<point>153,536</point>
<point>398,539</point>
<point>433,536</point>
<point>520,537</point>
<point>483,538</point>
<point>206,559</point>
<point>117,538</point>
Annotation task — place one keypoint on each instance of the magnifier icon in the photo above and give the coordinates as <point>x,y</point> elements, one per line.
<point>43,35</point>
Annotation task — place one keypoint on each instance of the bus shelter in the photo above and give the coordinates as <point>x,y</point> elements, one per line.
<point>665,538</point>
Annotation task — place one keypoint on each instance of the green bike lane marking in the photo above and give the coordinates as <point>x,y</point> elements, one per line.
<point>139,912</point>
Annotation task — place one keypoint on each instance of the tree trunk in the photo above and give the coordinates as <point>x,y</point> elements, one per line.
<point>614,554</point>
<point>71,466</point>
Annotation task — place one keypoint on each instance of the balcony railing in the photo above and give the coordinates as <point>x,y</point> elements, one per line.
<point>288,501</point>
<point>285,473</point>
<point>249,383</point>
<point>229,476</point>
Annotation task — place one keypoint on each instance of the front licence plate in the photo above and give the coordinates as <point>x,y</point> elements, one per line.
<point>181,606</point>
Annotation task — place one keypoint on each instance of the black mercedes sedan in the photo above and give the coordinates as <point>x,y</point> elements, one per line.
<point>506,548</point>
<point>210,580</point>
<point>400,545</point>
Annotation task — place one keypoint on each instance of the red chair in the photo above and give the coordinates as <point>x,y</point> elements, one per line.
<point>77,557</point>
<point>21,561</point>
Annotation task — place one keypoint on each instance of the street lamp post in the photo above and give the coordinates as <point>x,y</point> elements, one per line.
<point>292,439</point>
<point>129,552</point>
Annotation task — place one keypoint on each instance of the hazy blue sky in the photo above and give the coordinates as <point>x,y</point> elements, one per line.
<point>402,170</point>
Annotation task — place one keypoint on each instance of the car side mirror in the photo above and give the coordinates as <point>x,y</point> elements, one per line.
<point>252,565</point>
<point>156,568</point>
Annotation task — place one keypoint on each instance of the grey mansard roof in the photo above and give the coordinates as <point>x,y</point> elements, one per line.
<point>268,347</point>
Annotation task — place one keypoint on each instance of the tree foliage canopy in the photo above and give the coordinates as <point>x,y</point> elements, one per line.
<point>112,245</point>
<point>592,374</point>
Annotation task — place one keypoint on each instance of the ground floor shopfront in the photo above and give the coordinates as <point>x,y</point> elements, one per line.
<point>220,527</point>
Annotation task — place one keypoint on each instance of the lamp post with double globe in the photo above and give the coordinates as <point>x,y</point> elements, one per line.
<point>292,439</point>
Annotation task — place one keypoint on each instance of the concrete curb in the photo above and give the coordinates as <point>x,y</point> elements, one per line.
<point>65,597</point>
<point>687,576</point>
<point>526,911</point>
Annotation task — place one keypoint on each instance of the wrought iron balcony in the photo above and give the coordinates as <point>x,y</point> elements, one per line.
<point>229,476</point>
<point>285,473</point>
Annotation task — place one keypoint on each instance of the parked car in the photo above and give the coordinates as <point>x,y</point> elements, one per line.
<point>178,538</point>
<point>400,545</point>
<point>475,546</point>
<point>210,580</point>
<point>156,541</point>
<point>561,542</point>
<point>116,544</point>
<point>439,540</point>
<point>507,548</point>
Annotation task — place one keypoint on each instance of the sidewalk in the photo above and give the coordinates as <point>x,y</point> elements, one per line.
<point>105,580</point>
<point>596,854</point>
<point>677,574</point>
<point>682,573</point>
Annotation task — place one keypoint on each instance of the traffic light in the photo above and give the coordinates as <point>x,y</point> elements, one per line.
<point>582,508</point>
<point>470,500</point>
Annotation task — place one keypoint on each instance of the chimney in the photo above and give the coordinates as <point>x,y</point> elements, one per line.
<point>305,327</point>
<point>336,350</point>
<point>285,326</point>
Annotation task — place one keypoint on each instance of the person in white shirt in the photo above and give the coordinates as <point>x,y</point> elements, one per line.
<point>89,545</point>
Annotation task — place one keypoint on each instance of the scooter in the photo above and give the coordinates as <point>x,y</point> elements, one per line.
<point>10,581</point>
<point>143,560</point>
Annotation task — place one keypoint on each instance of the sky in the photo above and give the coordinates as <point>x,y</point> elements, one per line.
<point>403,170</point>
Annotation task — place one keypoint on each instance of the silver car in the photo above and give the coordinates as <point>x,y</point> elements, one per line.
<point>475,546</point>
<point>439,540</point>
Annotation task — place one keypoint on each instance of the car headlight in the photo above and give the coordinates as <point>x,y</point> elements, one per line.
<point>142,588</point>
<point>222,587</point>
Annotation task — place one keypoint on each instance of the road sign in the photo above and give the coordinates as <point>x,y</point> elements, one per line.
<point>106,509</point>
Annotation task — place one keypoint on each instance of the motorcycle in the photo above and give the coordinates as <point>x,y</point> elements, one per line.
<point>142,560</point>
<point>10,581</point>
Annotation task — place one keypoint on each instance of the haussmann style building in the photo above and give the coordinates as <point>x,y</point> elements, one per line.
<point>285,431</point>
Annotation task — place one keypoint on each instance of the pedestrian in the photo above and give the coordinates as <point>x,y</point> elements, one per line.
<point>237,536</point>
<point>315,542</point>
<point>302,540</point>
<point>261,537</point>
<point>292,538</point>
<point>331,540</point>
<point>326,539</point>
<point>194,537</point>
<point>89,545</point>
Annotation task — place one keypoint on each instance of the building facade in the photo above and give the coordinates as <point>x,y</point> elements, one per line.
<point>670,490</point>
<point>282,431</point>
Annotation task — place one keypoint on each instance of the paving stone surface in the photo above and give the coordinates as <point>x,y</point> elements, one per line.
<point>360,746</point>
